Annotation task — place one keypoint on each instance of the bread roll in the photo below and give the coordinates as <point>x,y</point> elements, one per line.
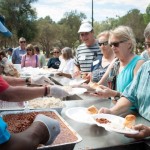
<point>129,121</point>
<point>92,110</point>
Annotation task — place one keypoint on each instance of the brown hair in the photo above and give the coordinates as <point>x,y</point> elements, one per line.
<point>30,46</point>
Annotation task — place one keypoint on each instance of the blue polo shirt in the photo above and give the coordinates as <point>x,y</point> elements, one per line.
<point>4,134</point>
<point>17,55</point>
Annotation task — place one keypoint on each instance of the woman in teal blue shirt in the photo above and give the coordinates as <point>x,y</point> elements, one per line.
<point>136,94</point>
<point>123,69</point>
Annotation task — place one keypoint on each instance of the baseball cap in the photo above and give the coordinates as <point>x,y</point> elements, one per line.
<point>85,27</point>
<point>3,29</point>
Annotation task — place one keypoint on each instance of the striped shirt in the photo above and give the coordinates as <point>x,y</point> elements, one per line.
<point>85,56</point>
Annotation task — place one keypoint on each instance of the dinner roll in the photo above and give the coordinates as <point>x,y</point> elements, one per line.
<point>92,110</point>
<point>129,121</point>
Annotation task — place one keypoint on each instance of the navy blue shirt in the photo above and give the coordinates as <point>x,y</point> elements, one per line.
<point>53,63</point>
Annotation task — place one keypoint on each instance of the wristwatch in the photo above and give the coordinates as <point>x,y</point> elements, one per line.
<point>118,95</point>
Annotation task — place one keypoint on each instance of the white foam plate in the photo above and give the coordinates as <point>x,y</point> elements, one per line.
<point>76,82</point>
<point>116,124</point>
<point>77,91</point>
<point>80,114</point>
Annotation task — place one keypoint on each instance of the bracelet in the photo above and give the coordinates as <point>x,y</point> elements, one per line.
<point>46,91</point>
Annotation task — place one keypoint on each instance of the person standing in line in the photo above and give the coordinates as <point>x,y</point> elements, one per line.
<point>9,54</point>
<point>19,51</point>
<point>54,62</point>
<point>87,51</point>
<point>40,56</point>
<point>146,53</point>
<point>30,59</point>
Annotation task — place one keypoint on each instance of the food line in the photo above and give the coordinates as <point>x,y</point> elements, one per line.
<point>95,137</point>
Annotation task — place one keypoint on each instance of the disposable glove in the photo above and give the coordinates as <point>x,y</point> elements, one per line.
<point>41,80</point>
<point>57,91</point>
<point>52,125</point>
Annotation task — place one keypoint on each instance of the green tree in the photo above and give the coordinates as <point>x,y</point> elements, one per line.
<point>70,24</point>
<point>20,17</point>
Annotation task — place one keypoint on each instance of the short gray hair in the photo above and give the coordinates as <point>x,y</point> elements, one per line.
<point>68,52</point>
<point>124,33</point>
<point>147,31</point>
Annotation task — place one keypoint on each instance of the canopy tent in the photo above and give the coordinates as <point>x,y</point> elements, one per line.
<point>3,29</point>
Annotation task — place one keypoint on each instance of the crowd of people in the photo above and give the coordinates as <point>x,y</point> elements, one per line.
<point>109,61</point>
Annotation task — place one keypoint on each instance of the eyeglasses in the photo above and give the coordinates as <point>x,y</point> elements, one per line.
<point>116,44</point>
<point>55,52</point>
<point>147,45</point>
<point>22,41</point>
<point>103,43</point>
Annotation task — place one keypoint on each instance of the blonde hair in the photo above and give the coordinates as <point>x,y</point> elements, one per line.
<point>124,33</point>
<point>104,33</point>
<point>147,31</point>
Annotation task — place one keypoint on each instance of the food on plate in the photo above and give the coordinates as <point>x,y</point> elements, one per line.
<point>102,120</point>
<point>129,121</point>
<point>92,110</point>
<point>67,88</point>
<point>94,85</point>
<point>49,102</point>
<point>20,122</point>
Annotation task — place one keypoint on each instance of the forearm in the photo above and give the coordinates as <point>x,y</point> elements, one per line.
<point>66,75</point>
<point>22,93</point>
<point>76,68</point>
<point>15,81</point>
<point>36,134</point>
<point>122,106</point>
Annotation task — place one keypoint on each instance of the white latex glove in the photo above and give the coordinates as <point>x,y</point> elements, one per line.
<point>41,80</point>
<point>52,126</point>
<point>57,91</point>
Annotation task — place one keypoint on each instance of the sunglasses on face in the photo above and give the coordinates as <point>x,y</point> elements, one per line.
<point>147,45</point>
<point>116,44</point>
<point>22,41</point>
<point>56,52</point>
<point>103,43</point>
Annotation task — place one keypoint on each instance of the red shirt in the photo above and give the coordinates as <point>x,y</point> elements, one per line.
<point>3,85</point>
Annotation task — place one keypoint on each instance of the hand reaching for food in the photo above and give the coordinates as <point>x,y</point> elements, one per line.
<point>104,110</point>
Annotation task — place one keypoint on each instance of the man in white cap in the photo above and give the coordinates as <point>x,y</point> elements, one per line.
<point>87,51</point>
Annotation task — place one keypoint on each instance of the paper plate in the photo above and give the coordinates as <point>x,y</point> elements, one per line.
<point>116,124</point>
<point>79,114</point>
<point>77,91</point>
<point>76,82</point>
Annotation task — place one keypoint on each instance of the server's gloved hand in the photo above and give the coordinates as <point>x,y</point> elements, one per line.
<point>57,91</point>
<point>52,125</point>
<point>41,80</point>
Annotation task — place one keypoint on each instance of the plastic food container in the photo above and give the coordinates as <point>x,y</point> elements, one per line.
<point>66,140</point>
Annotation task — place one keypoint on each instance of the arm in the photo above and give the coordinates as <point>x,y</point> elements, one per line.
<point>15,81</point>
<point>138,65</point>
<point>36,134</point>
<point>23,61</point>
<point>21,93</point>
<point>121,106</point>
<point>106,74</point>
